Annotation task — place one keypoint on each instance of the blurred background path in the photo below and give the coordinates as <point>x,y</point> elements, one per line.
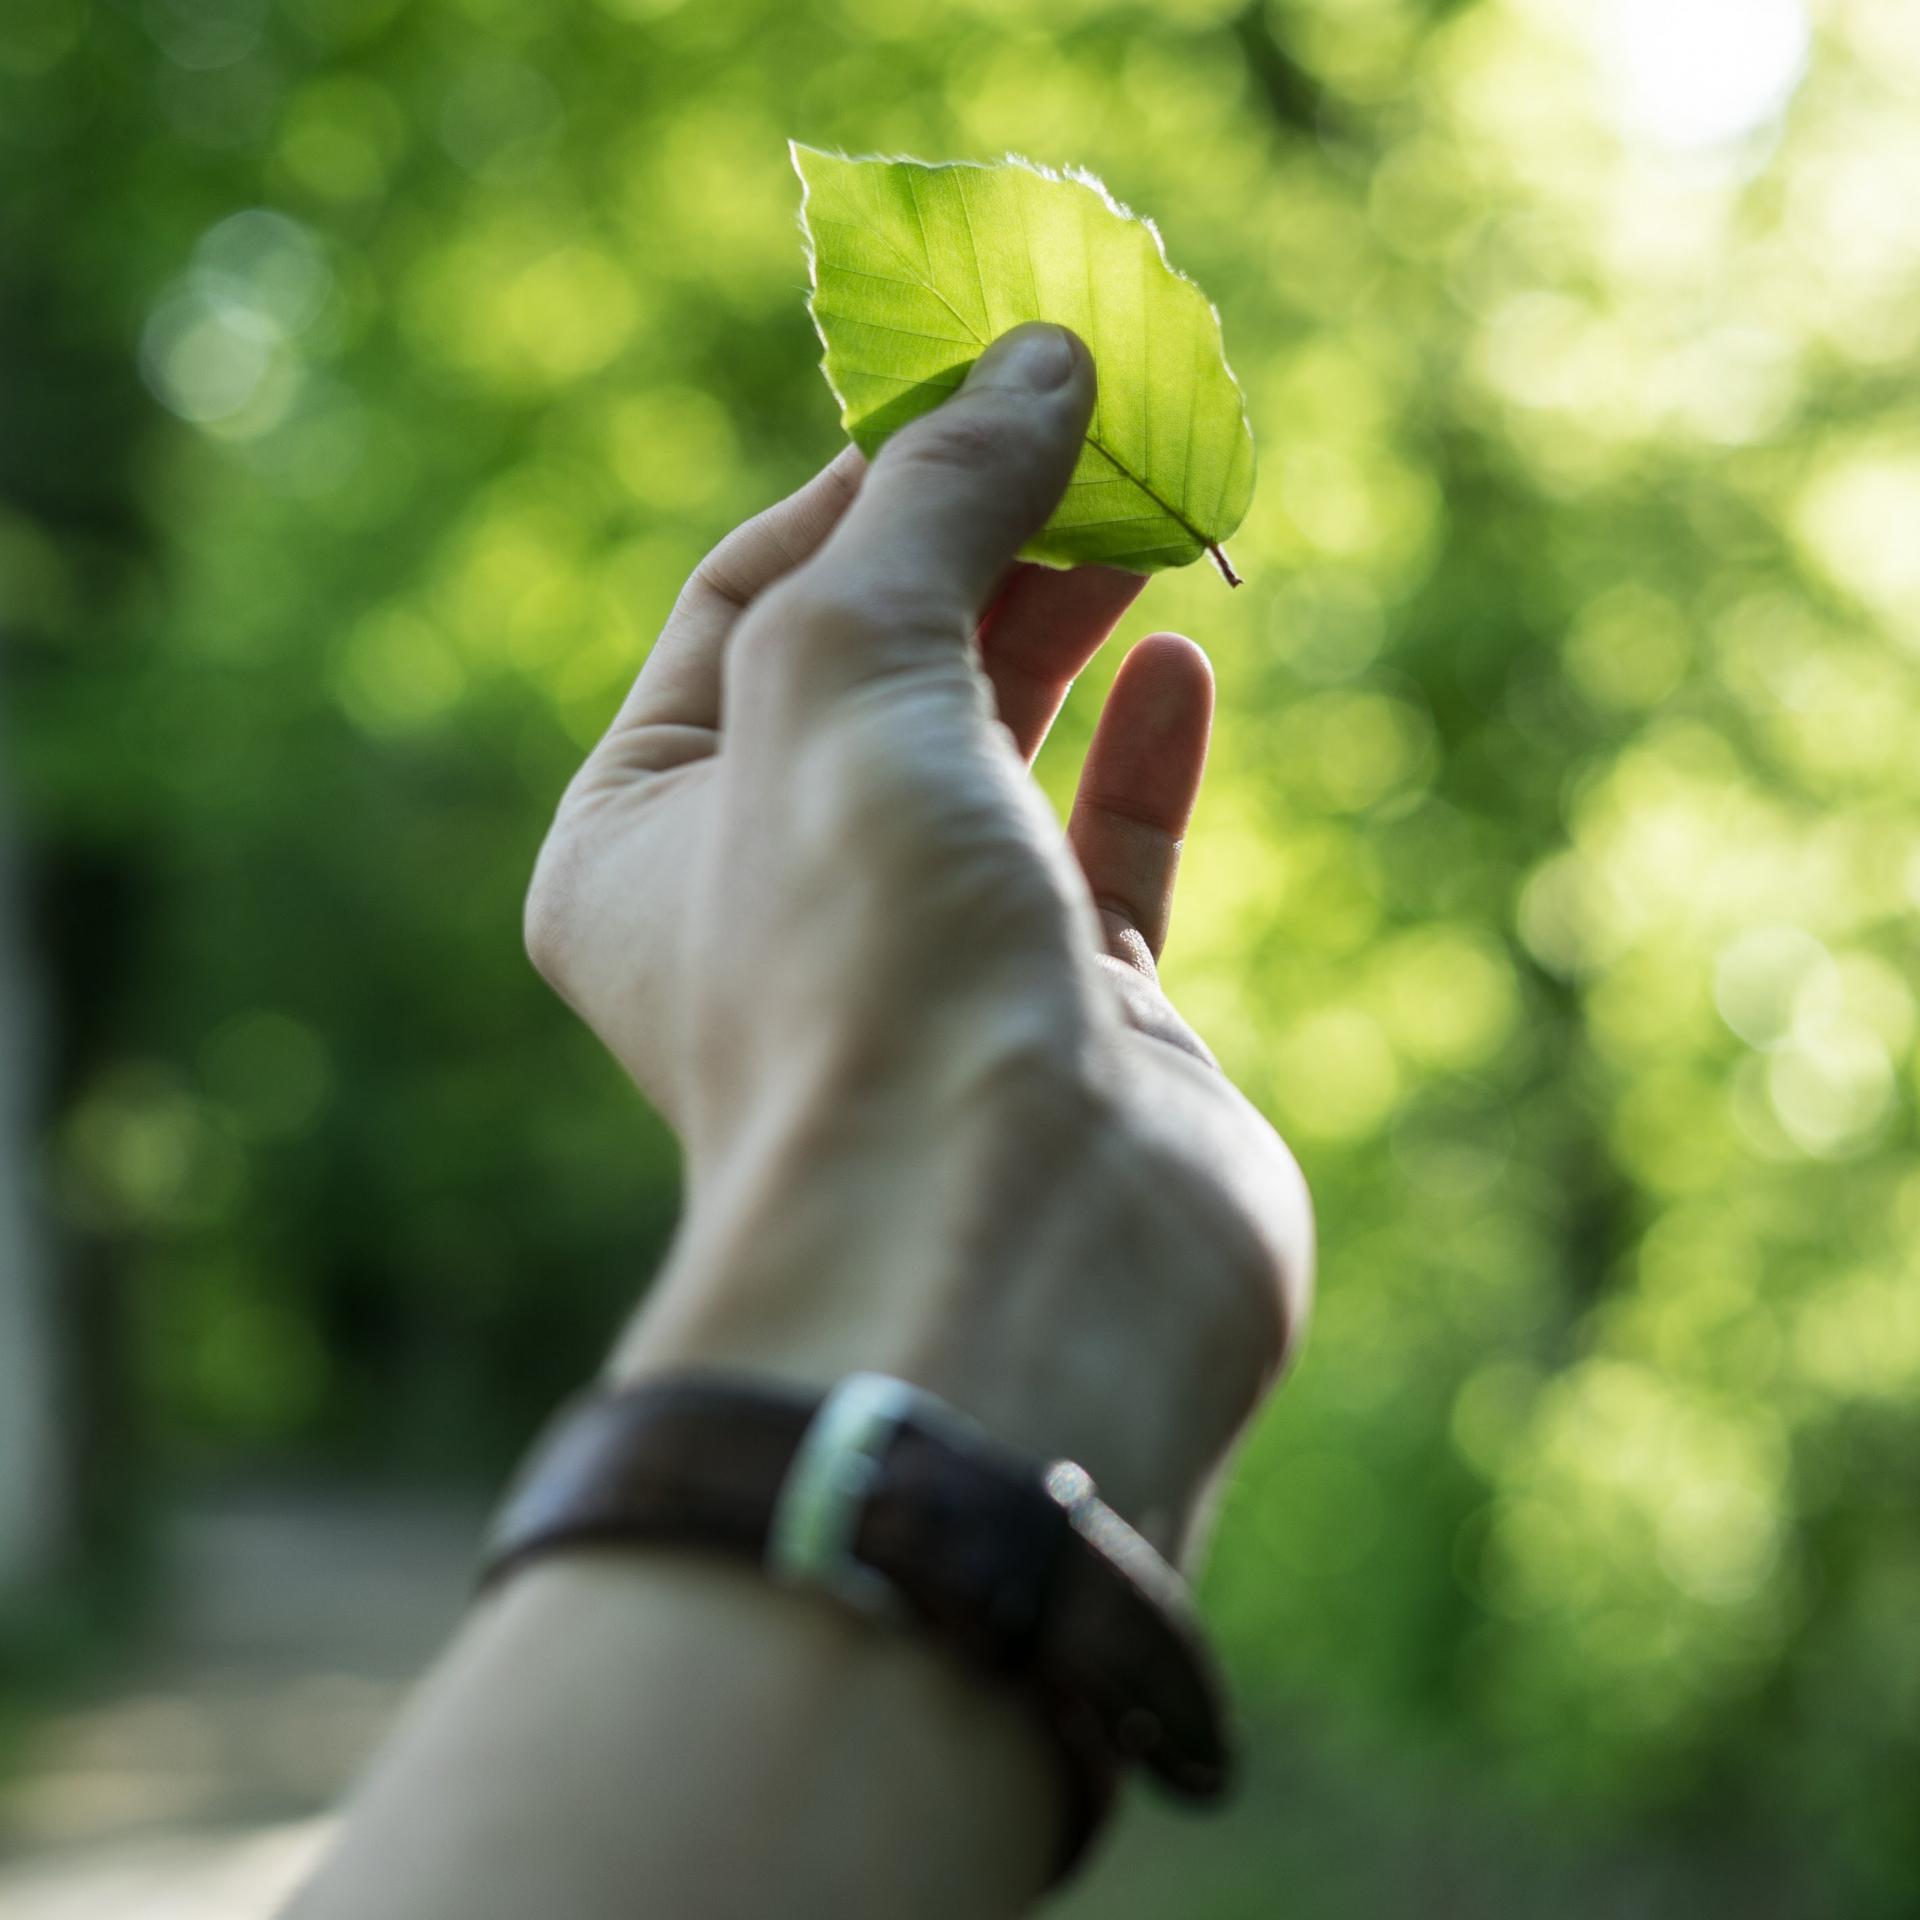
<point>195,1780</point>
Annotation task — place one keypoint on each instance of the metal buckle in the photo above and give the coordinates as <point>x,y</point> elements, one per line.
<point>816,1513</point>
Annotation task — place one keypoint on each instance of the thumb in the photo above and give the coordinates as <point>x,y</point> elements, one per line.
<point>956,493</point>
<point>942,510</point>
<point>941,513</point>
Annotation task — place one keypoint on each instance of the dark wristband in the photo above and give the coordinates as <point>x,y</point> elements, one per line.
<point>910,1512</point>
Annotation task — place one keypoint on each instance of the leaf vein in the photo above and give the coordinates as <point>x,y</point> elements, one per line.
<point>887,326</point>
<point>1172,512</point>
<point>923,279</point>
<point>888,279</point>
<point>899,379</point>
<point>1119,520</point>
<point>973,249</point>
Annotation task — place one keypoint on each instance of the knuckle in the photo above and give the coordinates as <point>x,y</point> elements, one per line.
<point>968,440</point>
<point>824,609</point>
<point>762,644</point>
<point>907,774</point>
<point>766,654</point>
<point>718,573</point>
<point>815,618</point>
<point>871,609</point>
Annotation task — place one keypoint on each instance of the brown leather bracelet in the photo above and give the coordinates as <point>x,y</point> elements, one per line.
<point>909,1511</point>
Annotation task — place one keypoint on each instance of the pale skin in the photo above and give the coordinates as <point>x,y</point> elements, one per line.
<point>938,1119</point>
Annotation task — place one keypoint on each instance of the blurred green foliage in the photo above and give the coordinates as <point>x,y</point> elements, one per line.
<point>1555,890</point>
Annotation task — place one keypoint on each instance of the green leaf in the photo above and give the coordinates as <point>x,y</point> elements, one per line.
<point>916,268</point>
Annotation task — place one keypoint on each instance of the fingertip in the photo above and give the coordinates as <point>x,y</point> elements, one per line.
<point>1173,653</point>
<point>1036,357</point>
<point>1166,687</point>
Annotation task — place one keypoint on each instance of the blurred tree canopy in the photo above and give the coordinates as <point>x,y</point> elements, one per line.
<point>377,371</point>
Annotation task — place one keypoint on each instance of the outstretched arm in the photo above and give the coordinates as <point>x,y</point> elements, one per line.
<point>939,1122</point>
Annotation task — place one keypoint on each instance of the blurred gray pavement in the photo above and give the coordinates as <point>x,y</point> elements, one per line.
<point>195,1779</point>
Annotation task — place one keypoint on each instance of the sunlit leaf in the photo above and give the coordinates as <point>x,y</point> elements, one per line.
<point>916,268</point>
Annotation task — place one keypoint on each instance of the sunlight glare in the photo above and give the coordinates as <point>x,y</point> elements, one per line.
<point>1693,74</point>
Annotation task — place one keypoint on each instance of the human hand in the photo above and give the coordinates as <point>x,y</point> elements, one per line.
<point>939,1118</point>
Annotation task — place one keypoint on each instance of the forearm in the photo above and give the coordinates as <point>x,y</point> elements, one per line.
<point>668,1734</point>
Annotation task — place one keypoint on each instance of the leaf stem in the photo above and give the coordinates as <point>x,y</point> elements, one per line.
<point>1218,554</point>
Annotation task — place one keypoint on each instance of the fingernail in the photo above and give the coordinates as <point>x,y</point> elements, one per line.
<point>1036,356</point>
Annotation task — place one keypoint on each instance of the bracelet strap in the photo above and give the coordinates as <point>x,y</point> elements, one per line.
<point>909,1512</point>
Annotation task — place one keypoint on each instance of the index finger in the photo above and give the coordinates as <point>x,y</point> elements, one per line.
<point>679,683</point>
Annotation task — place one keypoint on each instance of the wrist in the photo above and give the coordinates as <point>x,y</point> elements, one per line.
<point>1044,1266</point>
